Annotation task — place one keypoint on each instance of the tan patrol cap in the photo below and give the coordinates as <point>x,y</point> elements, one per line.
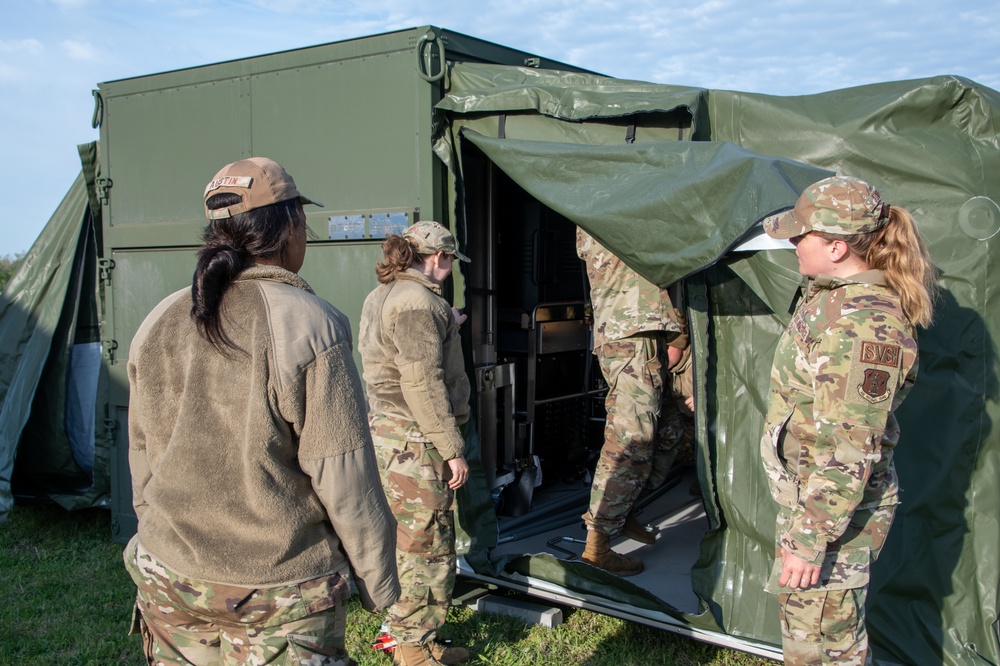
<point>258,180</point>
<point>429,237</point>
<point>836,205</point>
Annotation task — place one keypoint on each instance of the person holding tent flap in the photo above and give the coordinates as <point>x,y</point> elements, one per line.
<point>635,331</point>
<point>843,365</point>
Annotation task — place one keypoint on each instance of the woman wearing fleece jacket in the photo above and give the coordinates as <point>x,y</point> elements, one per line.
<point>418,396</point>
<point>254,477</point>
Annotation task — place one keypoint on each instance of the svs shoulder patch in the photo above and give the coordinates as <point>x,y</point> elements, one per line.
<point>874,373</point>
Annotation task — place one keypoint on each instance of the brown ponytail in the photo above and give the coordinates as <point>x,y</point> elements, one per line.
<point>399,255</point>
<point>899,251</point>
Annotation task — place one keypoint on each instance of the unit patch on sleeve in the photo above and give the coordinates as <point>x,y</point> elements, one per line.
<point>875,386</point>
<point>874,373</point>
<point>879,353</point>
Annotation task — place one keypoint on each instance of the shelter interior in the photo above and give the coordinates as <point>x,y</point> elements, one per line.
<point>541,393</point>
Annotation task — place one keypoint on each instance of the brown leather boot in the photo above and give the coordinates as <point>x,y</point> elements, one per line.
<point>598,552</point>
<point>408,654</point>
<point>641,532</point>
<point>447,654</point>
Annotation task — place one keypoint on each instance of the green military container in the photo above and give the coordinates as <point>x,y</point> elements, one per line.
<point>513,151</point>
<point>351,121</point>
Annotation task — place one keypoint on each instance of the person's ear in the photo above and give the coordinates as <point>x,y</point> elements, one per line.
<point>839,250</point>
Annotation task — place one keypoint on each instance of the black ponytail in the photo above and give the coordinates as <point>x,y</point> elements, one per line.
<point>230,245</point>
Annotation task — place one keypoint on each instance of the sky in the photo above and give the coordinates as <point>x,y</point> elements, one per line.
<point>53,53</point>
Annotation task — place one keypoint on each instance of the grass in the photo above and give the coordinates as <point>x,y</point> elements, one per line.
<point>66,599</point>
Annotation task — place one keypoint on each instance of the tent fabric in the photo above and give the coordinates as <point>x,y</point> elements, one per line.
<point>930,146</point>
<point>702,197</point>
<point>46,309</point>
<point>480,88</point>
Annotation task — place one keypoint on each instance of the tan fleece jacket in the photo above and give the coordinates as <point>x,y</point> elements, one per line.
<point>412,358</point>
<point>257,469</point>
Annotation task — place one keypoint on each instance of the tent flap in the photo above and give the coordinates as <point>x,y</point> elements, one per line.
<point>667,208</point>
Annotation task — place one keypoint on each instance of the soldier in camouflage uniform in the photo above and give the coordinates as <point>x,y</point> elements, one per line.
<point>418,396</point>
<point>634,324</point>
<point>844,364</point>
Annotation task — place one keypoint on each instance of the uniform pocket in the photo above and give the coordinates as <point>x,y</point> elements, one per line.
<point>324,592</point>
<point>423,507</point>
<point>858,442</point>
<point>784,484</point>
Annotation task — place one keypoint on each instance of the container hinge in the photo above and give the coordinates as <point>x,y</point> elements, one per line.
<point>109,349</point>
<point>487,379</point>
<point>111,429</point>
<point>106,266</point>
<point>103,189</point>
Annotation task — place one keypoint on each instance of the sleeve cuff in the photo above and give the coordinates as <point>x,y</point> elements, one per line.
<point>813,554</point>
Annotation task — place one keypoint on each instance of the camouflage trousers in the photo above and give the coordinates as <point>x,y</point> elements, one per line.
<point>680,425</point>
<point>642,431</point>
<point>824,627</point>
<point>188,621</point>
<point>414,477</point>
<point>826,624</point>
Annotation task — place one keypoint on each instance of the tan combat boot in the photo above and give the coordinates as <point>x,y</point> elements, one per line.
<point>598,552</point>
<point>408,654</point>
<point>447,654</point>
<point>641,532</point>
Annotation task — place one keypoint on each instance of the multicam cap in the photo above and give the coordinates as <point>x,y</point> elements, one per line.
<point>429,237</point>
<point>258,180</point>
<point>835,205</point>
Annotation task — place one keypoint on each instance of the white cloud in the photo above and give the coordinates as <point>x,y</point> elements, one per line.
<point>79,50</point>
<point>22,46</point>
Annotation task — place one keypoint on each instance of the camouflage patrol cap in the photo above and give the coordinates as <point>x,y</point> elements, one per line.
<point>836,205</point>
<point>259,181</point>
<point>429,237</point>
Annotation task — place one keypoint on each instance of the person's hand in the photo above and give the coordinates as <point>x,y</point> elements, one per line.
<point>689,401</point>
<point>459,316</point>
<point>674,355</point>
<point>459,472</point>
<point>796,573</point>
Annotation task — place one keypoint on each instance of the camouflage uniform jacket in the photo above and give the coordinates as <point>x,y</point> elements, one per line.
<point>412,358</point>
<point>256,468</point>
<point>624,302</point>
<point>845,362</point>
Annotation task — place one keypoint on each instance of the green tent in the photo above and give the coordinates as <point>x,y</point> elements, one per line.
<point>53,444</point>
<point>602,153</point>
